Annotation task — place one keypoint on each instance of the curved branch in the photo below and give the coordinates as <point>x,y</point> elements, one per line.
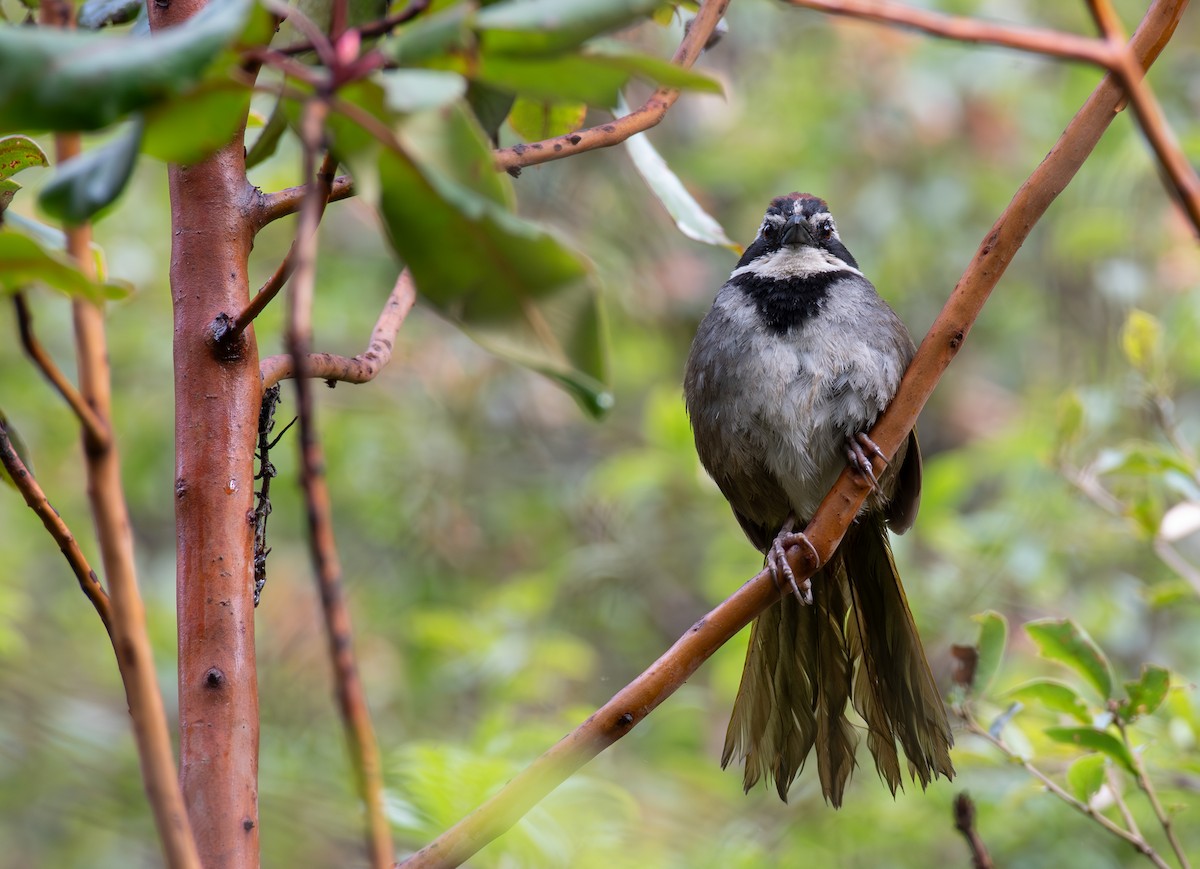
<point>28,486</point>
<point>965,29</point>
<point>630,705</point>
<point>352,369</point>
<point>93,426</point>
<point>648,115</point>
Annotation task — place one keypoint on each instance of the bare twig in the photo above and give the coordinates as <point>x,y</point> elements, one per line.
<point>1147,787</point>
<point>352,702</point>
<point>1149,113</point>
<point>648,115</point>
<point>945,338</point>
<point>92,424</point>
<point>965,29</point>
<point>352,369</point>
<point>964,822</point>
<point>1141,845</point>
<point>272,206</point>
<point>229,328</point>
<point>39,504</point>
<point>1114,788</point>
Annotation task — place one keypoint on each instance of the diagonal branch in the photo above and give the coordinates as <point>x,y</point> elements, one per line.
<point>352,701</point>
<point>634,702</point>
<point>648,115</point>
<point>93,426</point>
<point>28,486</point>
<point>273,206</point>
<point>352,369</point>
<point>962,28</point>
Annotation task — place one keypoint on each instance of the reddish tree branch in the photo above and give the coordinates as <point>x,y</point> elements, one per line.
<point>630,705</point>
<point>352,369</point>
<point>92,424</point>
<point>218,394</point>
<point>965,29</point>
<point>28,486</point>
<point>1148,112</point>
<point>269,207</point>
<point>352,701</point>
<point>648,115</point>
<point>964,822</point>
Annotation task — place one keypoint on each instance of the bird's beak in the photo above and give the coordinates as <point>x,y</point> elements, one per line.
<point>796,231</point>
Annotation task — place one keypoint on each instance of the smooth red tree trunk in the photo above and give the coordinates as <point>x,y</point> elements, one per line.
<point>217,398</point>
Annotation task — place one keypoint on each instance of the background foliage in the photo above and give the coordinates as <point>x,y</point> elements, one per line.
<point>512,563</point>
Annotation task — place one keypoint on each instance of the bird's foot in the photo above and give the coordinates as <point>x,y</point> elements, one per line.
<point>781,569</point>
<point>860,452</point>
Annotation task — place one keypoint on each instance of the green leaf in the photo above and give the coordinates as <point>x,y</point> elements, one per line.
<point>491,108</point>
<point>430,36</point>
<point>87,183</point>
<point>24,262</point>
<point>1093,739</point>
<point>1070,417</point>
<point>1055,696</point>
<point>416,90</point>
<point>993,635</point>
<point>8,189</point>
<point>451,143</point>
<point>1085,776</point>
<point>1146,694</point>
<point>268,139</point>
<point>539,119</point>
<point>188,128</point>
<point>691,218</point>
<point>17,153</point>
<point>68,80</point>
<point>510,284</point>
<point>552,26</point>
<point>95,14</point>
<point>1064,641</point>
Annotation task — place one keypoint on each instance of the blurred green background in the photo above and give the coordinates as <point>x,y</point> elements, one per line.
<point>510,564</point>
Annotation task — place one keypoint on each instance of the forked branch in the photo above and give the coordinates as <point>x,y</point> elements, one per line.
<point>629,706</point>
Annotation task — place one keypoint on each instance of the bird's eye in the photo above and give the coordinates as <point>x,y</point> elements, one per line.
<point>825,228</point>
<point>768,230</point>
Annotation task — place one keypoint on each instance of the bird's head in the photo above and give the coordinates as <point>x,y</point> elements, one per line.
<point>798,224</point>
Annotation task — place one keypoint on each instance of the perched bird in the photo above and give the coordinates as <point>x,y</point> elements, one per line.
<point>792,365</point>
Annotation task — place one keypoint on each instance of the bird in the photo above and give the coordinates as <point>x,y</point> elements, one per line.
<point>787,373</point>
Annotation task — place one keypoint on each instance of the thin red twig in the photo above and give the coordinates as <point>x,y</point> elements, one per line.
<point>643,118</point>
<point>961,28</point>
<point>352,702</point>
<point>273,206</point>
<point>964,822</point>
<point>28,486</point>
<point>352,369</point>
<point>634,702</point>
<point>1149,113</point>
<point>92,424</point>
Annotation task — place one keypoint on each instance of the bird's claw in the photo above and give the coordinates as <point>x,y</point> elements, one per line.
<point>860,450</point>
<point>781,569</point>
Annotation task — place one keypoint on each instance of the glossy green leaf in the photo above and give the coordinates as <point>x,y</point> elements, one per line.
<point>691,218</point>
<point>1085,776</point>
<point>491,107</point>
<point>993,636</point>
<point>93,180</point>
<point>551,26</point>
<point>1093,739</point>
<point>95,14</point>
<point>187,129</point>
<point>430,36</point>
<point>24,262</point>
<point>8,189</point>
<point>594,78</point>
<point>1146,694</point>
<point>67,80</point>
<point>1055,696</point>
<point>533,120</point>
<point>416,90</point>
<point>17,153</point>
<point>268,137</point>
<point>54,239</point>
<point>449,141</point>
<point>1064,641</point>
